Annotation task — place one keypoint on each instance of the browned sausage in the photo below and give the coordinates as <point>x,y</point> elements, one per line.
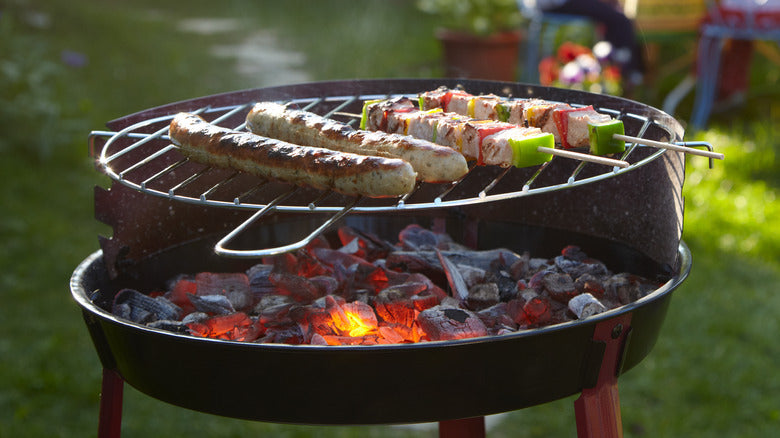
<point>351,174</point>
<point>432,162</point>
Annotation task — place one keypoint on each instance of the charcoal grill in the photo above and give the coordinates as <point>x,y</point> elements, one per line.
<point>172,216</point>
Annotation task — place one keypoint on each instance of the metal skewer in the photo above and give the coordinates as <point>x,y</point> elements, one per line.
<point>584,157</point>
<point>670,146</point>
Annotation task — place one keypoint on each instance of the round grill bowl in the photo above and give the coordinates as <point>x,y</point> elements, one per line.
<point>405,383</point>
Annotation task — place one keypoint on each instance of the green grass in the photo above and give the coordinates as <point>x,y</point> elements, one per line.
<point>712,373</point>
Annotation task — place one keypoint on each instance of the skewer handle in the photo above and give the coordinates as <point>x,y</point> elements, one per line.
<point>669,146</point>
<point>584,157</point>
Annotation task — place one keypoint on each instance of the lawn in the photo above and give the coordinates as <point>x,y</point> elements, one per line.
<point>68,67</point>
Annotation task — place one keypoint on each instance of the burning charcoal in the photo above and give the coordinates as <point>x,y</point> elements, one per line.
<point>318,242</point>
<point>407,290</point>
<point>370,246</point>
<point>471,275</point>
<point>179,294</point>
<point>361,318</point>
<point>519,269</point>
<point>482,296</point>
<point>588,266</point>
<point>424,263</point>
<point>137,307</point>
<point>317,322</point>
<point>299,288</point>
<point>352,248</point>
<point>352,319</point>
<point>212,304</point>
<point>285,333</point>
<point>210,283</point>
<point>286,262</point>
<point>248,332</point>
<point>333,258</point>
<point>325,284</point>
<point>588,283</point>
<point>422,302</point>
<point>171,326</point>
<point>559,312</point>
<point>234,286</point>
<point>585,305</point>
<point>521,285</point>
<point>458,286</point>
<point>273,307</point>
<point>449,301</point>
<point>235,326</point>
<point>507,287</point>
<point>537,280</point>
<point>431,287</point>
<point>328,300</point>
<point>366,276</point>
<point>514,310</point>
<point>537,311</point>
<point>441,324</point>
<point>496,317</point>
<point>416,238</point>
<point>622,288</point>
<point>195,317</point>
<point>395,308</point>
<point>411,333</point>
<point>486,260</point>
<point>308,266</point>
<point>317,339</point>
<point>566,265</point>
<point>390,334</point>
<point>536,264</point>
<point>574,253</point>
<point>259,282</point>
<point>559,286</point>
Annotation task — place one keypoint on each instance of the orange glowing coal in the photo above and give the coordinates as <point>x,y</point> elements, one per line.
<point>358,327</point>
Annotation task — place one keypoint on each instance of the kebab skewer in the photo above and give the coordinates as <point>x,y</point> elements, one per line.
<point>489,142</point>
<point>572,127</point>
<point>432,162</point>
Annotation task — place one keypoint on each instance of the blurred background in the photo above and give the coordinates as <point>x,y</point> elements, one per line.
<point>68,67</point>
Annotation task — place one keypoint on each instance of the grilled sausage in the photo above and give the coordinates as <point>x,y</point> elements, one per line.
<point>351,174</point>
<point>433,163</point>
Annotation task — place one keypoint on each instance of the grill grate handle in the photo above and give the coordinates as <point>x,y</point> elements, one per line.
<point>221,246</point>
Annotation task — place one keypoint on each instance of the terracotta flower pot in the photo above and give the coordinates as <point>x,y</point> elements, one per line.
<point>494,57</point>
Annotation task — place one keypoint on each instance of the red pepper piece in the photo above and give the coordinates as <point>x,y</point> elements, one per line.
<point>561,119</point>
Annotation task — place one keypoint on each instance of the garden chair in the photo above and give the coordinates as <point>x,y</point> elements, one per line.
<point>748,22</point>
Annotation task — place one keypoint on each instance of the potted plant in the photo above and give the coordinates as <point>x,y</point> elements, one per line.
<point>480,38</point>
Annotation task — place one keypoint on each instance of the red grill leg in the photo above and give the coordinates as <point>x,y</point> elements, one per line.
<point>465,428</point>
<point>597,410</point>
<point>110,421</point>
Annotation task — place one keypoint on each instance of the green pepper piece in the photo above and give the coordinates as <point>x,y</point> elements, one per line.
<point>525,153</point>
<point>601,137</point>
<point>502,110</point>
<point>364,113</point>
